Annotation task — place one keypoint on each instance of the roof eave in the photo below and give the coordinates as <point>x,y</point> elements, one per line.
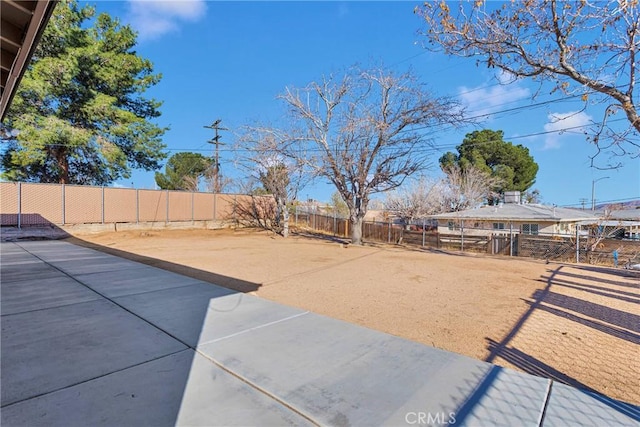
<point>32,35</point>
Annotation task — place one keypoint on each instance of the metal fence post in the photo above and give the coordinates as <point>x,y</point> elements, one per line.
<point>167,215</point>
<point>215,200</point>
<point>423,232</point>
<point>510,239</point>
<point>577,244</point>
<point>102,212</point>
<point>462,236</point>
<point>19,205</point>
<point>296,215</point>
<point>137,206</point>
<point>389,233</point>
<point>63,201</point>
<point>193,218</point>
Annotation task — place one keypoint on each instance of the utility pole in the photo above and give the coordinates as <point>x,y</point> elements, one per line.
<point>216,140</point>
<point>583,202</point>
<point>593,191</point>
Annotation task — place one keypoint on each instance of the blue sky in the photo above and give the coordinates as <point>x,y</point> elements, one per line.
<point>229,61</point>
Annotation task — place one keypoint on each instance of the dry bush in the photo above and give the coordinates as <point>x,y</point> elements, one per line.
<point>256,211</point>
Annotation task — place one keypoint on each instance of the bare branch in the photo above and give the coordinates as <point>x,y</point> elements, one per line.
<point>571,44</point>
<point>467,188</point>
<point>422,198</point>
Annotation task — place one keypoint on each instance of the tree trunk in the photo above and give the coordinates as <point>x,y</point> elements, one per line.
<point>63,164</point>
<point>285,222</point>
<point>356,218</point>
<point>282,217</point>
<point>356,230</point>
<point>278,217</point>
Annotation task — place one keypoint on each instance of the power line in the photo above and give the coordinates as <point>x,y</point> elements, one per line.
<point>612,201</point>
<point>435,128</point>
<point>434,147</point>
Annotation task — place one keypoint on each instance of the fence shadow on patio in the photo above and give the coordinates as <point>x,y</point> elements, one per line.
<point>515,347</point>
<point>207,276</point>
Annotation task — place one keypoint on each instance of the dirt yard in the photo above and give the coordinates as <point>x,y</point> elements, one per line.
<point>576,324</point>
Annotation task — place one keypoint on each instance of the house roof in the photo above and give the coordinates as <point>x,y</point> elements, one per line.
<point>625,214</point>
<point>521,212</point>
<point>616,218</point>
<point>610,223</point>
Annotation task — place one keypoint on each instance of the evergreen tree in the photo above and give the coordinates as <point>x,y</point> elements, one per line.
<point>183,171</point>
<point>511,165</point>
<point>79,116</point>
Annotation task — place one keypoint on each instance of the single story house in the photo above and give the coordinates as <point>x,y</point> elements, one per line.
<point>515,217</point>
<point>620,223</point>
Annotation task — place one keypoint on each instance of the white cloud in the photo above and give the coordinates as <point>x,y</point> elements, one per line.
<point>155,18</point>
<point>490,98</point>
<point>572,122</point>
<point>118,185</point>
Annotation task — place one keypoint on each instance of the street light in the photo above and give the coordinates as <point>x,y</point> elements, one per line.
<point>593,191</point>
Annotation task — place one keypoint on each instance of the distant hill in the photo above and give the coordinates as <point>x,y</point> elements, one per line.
<point>632,204</point>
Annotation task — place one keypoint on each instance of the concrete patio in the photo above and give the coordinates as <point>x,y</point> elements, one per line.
<point>93,339</point>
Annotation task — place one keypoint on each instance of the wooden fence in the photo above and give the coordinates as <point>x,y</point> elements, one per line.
<point>544,247</point>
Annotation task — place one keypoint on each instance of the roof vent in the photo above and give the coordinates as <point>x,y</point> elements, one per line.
<point>512,197</point>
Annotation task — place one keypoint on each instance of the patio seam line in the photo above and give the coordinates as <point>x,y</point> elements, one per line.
<point>264,325</point>
<point>260,389</point>
<point>97,272</point>
<point>142,266</point>
<point>233,373</point>
<point>95,378</point>
<point>165,289</point>
<point>29,279</point>
<point>49,308</point>
<point>111,300</point>
<point>18,262</point>
<point>545,404</point>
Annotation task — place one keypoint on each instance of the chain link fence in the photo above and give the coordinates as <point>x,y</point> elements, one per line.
<point>580,248</point>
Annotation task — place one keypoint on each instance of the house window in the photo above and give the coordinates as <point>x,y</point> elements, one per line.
<point>498,225</point>
<point>530,229</point>
<point>451,225</point>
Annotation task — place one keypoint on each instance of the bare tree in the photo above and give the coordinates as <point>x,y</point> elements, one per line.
<point>261,154</point>
<point>219,183</point>
<point>467,188</point>
<point>257,211</point>
<point>586,49</point>
<point>606,227</point>
<point>364,132</point>
<point>418,200</point>
<point>532,196</point>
